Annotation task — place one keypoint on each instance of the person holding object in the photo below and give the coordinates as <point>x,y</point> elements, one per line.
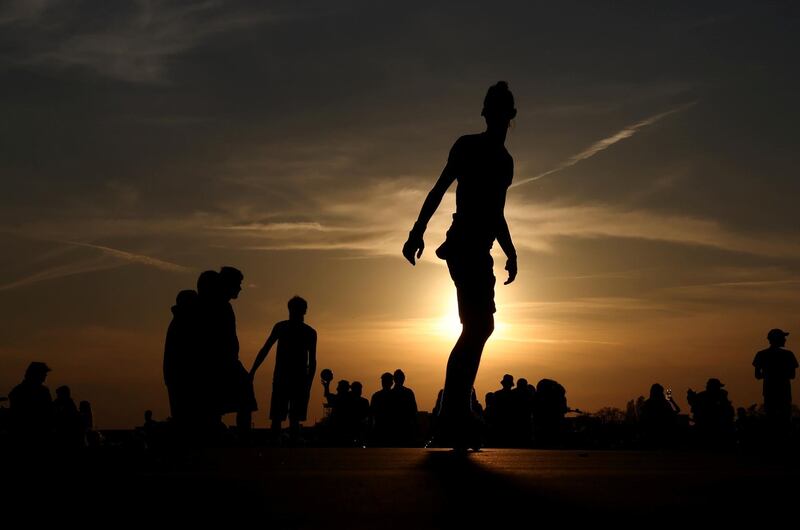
<point>484,170</point>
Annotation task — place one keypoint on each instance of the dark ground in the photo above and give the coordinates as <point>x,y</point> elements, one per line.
<point>404,488</point>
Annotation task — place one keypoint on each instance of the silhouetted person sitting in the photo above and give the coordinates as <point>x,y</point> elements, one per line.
<point>31,405</point>
<point>405,404</point>
<point>180,347</point>
<point>776,366</point>
<point>239,396</point>
<point>382,412</point>
<point>68,429</point>
<point>548,412</point>
<point>295,367</point>
<point>712,412</point>
<point>658,417</point>
<point>484,170</point>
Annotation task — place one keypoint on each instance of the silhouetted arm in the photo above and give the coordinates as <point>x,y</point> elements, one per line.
<point>415,244</point>
<point>504,240</point>
<point>262,354</point>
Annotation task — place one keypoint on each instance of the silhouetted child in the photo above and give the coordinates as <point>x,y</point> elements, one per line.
<point>548,412</point>
<point>295,367</point>
<point>358,412</point>
<point>484,170</point>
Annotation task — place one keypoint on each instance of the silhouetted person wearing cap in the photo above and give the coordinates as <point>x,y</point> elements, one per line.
<point>295,367</point>
<point>382,412</point>
<point>658,417</point>
<point>483,169</point>
<point>712,413</point>
<point>503,408</point>
<point>405,404</point>
<point>776,366</point>
<point>32,412</point>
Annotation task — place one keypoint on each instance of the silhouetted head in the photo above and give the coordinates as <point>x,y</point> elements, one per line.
<point>63,392</point>
<point>522,383</point>
<point>356,388</point>
<point>230,280</point>
<point>186,297</point>
<point>498,106</point>
<point>714,384</point>
<point>208,284</point>
<point>387,380</point>
<point>777,337</point>
<point>148,416</point>
<point>297,308</point>
<point>343,387</point>
<point>507,381</point>
<point>489,399</point>
<point>657,391</point>
<point>36,372</point>
<point>399,377</point>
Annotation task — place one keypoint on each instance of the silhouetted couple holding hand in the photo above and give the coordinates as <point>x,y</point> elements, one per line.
<point>202,371</point>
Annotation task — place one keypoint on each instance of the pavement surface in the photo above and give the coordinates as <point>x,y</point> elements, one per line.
<point>415,488</point>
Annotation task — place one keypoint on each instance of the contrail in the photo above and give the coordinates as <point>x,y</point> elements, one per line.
<point>133,258</point>
<point>605,143</point>
<point>92,265</point>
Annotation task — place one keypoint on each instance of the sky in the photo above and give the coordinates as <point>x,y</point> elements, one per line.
<point>653,204</point>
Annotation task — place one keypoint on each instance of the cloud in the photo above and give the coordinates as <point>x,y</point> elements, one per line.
<point>132,43</point>
<point>605,143</point>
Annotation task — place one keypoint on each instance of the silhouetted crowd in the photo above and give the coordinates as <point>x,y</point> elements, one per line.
<point>205,379</point>
<point>37,421</point>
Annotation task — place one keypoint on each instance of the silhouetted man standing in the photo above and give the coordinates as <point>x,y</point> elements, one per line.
<point>405,404</point>
<point>238,386</point>
<point>295,367</point>
<point>777,367</point>
<point>381,411</point>
<point>484,170</point>
<point>180,348</point>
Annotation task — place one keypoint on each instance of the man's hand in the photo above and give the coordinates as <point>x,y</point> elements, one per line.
<point>511,267</point>
<point>414,246</point>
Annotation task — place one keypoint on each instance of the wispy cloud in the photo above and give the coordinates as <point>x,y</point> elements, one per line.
<point>605,143</point>
<point>133,43</point>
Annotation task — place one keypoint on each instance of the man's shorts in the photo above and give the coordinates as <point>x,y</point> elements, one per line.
<point>289,398</point>
<point>473,274</point>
